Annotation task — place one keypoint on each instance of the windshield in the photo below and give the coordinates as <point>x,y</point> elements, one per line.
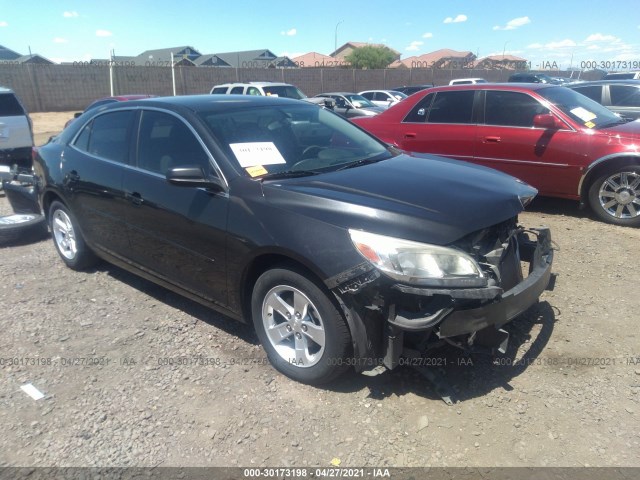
<point>581,109</point>
<point>266,140</point>
<point>288,91</point>
<point>358,101</point>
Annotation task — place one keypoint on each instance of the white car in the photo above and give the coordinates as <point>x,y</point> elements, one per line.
<point>267,89</point>
<point>16,135</point>
<point>383,98</point>
<point>466,81</point>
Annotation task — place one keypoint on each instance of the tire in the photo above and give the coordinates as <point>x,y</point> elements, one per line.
<point>68,239</point>
<point>22,228</point>
<point>320,330</point>
<point>615,196</point>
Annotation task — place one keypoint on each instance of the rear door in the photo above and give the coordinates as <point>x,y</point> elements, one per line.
<point>507,141</point>
<point>177,233</point>
<point>442,123</point>
<point>92,166</point>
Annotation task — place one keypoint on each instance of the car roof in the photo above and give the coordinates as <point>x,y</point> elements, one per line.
<point>493,86</point>
<point>208,102</point>
<point>337,93</point>
<point>628,81</point>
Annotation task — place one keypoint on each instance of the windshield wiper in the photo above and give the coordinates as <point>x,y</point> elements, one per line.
<point>617,122</point>
<point>363,161</point>
<point>289,174</point>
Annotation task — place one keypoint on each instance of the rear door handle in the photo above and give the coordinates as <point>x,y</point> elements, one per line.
<point>134,198</point>
<point>491,139</point>
<point>410,135</point>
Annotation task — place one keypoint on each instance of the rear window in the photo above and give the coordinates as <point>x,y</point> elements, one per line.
<point>10,106</point>
<point>452,107</point>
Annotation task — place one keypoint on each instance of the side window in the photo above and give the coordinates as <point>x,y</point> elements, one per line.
<point>512,109</point>
<point>219,90</point>
<point>166,142</point>
<point>10,106</point>
<point>452,107</point>
<point>237,90</point>
<point>368,95</point>
<point>107,136</point>
<point>624,96</point>
<point>594,92</point>
<point>253,91</point>
<point>419,112</point>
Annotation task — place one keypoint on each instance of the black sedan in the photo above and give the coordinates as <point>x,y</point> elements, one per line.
<point>351,105</point>
<point>342,251</point>
<point>620,96</point>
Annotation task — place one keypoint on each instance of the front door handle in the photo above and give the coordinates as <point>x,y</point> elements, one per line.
<point>134,198</point>
<point>491,139</point>
<point>410,135</point>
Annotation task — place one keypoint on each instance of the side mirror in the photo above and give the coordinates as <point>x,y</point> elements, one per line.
<point>193,176</point>
<point>547,121</point>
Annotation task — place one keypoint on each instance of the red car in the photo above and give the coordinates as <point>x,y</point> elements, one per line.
<point>561,142</point>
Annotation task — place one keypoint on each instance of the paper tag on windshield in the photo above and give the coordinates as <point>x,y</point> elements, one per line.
<point>256,171</point>
<point>257,153</point>
<point>583,114</point>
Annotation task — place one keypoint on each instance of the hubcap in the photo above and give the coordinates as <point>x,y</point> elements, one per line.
<point>293,326</point>
<point>64,235</point>
<point>620,195</point>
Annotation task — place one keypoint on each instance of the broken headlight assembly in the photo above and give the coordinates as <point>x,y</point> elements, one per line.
<point>419,263</point>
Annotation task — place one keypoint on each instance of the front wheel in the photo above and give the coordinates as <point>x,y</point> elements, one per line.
<point>302,331</point>
<point>67,238</point>
<point>615,196</point>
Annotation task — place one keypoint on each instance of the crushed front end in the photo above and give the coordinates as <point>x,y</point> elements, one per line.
<point>502,271</point>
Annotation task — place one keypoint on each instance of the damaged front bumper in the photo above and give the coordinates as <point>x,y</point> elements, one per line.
<point>416,319</point>
<point>498,307</point>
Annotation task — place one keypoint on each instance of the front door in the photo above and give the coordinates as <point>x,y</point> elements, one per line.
<point>176,232</point>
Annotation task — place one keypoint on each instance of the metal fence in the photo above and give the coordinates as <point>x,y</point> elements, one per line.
<point>50,88</point>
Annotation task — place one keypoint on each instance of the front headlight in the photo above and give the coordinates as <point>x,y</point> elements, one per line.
<point>418,263</point>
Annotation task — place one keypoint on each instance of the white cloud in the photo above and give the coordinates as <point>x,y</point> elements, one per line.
<point>103,33</point>
<point>598,37</point>
<point>514,23</point>
<point>60,40</point>
<point>458,19</point>
<point>566,43</point>
<point>4,24</point>
<point>72,14</point>
<point>414,46</point>
<point>289,33</point>
<point>427,35</point>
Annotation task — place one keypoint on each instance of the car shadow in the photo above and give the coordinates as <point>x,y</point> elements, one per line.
<point>190,307</point>
<point>559,206</point>
<point>464,376</point>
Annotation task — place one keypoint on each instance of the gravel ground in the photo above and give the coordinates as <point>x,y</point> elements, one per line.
<point>106,348</point>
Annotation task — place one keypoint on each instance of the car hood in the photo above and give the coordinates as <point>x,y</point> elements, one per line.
<point>417,197</point>
<point>629,130</point>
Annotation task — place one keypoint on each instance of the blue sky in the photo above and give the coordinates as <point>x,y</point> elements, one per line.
<point>543,31</point>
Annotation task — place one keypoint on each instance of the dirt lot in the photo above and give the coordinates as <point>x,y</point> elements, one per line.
<point>104,347</point>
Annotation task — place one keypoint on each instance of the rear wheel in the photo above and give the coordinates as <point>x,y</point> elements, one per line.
<point>67,238</point>
<point>302,331</point>
<point>615,196</point>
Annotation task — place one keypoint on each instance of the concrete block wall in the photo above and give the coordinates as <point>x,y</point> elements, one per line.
<point>48,88</point>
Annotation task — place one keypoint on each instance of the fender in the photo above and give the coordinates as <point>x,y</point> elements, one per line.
<point>600,161</point>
